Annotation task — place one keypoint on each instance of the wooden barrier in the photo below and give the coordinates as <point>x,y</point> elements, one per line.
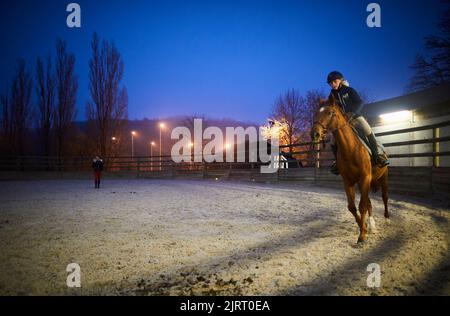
<point>423,181</point>
<point>413,181</point>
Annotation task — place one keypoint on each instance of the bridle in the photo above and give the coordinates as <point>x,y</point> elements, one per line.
<point>332,115</point>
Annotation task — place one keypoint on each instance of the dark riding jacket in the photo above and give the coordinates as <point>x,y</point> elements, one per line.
<point>97,165</point>
<point>348,99</point>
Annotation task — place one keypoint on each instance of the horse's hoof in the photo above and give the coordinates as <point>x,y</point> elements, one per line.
<point>361,241</point>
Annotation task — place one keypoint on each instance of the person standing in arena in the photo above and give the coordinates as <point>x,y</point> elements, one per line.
<point>97,166</point>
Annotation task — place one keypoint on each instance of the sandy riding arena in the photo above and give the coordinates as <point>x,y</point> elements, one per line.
<point>176,237</point>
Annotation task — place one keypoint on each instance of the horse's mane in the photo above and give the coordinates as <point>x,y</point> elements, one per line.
<point>331,102</point>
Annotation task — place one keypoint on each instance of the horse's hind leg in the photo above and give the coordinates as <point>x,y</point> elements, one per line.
<point>384,193</point>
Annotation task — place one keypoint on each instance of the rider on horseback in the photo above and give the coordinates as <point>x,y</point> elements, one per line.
<point>351,103</point>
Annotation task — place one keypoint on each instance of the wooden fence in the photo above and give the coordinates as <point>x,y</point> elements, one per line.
<point>311,167</point>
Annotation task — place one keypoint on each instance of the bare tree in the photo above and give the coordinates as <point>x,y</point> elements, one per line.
<point>188,121</point>
<point>66,86</point>
<point>434,69</point>
<point>289,109</point>
<point>6,139</point>
<point>45,90</point>
<point>312,100</point>
<point>109,105</point>
<point>20,107</point>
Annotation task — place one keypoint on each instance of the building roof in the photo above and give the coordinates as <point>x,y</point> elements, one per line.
<point>413,101</point>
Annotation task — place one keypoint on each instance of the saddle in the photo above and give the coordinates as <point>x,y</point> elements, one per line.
<point>365,142</point>
<point>362,138</point>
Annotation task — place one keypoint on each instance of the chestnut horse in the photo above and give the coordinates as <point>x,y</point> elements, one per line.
<point>354,163</point>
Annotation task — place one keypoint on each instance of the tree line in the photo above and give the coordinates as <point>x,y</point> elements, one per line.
<point>38,106</point>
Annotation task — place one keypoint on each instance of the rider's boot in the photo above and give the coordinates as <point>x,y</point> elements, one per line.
<point>378,158</point>
<point>334,168</point>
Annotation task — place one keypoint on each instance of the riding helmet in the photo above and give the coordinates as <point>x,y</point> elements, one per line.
<point>334,75</point>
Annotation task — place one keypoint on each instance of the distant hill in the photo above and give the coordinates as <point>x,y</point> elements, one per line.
<point>147,130</point>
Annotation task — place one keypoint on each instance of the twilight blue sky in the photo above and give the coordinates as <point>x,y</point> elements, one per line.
<point>225,59</point>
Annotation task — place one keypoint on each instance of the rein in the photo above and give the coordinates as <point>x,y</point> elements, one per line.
<point>333,114</point>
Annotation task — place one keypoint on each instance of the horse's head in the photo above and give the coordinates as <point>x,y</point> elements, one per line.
<point>325,119</point>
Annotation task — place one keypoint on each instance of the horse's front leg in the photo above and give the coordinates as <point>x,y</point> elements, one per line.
<point>371,221</point>
<point>364,205</point>
<point>350,192</point>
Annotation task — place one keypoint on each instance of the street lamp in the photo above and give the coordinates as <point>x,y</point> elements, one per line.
<point>133,133</point>
<point>161,126</point>
<point>151,155</point>
<point>113,141</point>
<point>225,148</point>
<point>191,144</point>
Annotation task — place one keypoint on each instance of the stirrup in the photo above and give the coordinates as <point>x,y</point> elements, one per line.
<point>383,163</point>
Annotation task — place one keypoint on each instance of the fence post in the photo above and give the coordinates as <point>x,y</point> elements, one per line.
<point>138,167</point>
<point>436,145</point>
<point>172,169</point>
<point>18,163</point>
<point>317,148</point>
<point>316,162</point>
<point>18,167</point>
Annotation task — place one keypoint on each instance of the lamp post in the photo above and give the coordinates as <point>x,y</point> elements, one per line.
<point>151,155</point>
<point>225,148</point>
<point>113,142</point>
<point>161,126</point>
<point>133,133</point>
<point>192,158</point>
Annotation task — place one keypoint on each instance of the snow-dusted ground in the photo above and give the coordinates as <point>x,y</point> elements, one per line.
<point>150,237</point>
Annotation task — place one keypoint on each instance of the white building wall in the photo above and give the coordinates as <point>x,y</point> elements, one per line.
<point>415,121</point>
